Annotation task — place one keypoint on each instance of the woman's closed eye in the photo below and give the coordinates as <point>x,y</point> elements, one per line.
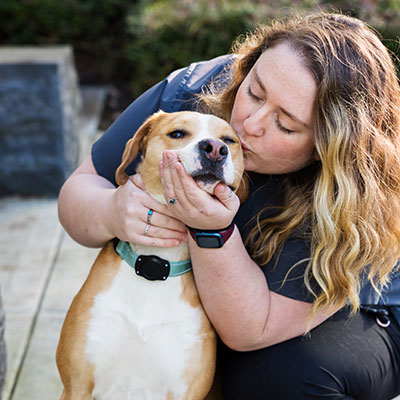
<point>281,127</point>
<point>252,95</point>
<point>277,121</point>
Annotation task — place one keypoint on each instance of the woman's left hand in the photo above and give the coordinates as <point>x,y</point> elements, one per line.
<point>193,206</point>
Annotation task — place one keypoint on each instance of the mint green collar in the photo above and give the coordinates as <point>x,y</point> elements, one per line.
<point>177,268</point>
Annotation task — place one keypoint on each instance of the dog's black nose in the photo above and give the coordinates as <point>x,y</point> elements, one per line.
<point>213,149</point>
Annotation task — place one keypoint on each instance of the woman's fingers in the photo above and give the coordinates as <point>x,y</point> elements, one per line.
<point>169,178</point>
<point>161,215</point>
<point>137,181</point>
<point>194,206</point>
<point>162,220</point>
<point>227,196</point>
<point>179,184</point>
<point>137,217</point>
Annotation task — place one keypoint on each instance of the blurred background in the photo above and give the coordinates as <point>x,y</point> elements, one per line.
<point>130,45</point>
<point>68,68</point>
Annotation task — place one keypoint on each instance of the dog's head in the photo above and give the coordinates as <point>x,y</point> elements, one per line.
<point>207,146</point>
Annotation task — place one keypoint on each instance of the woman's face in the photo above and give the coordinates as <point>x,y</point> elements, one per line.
<point>273,113</point>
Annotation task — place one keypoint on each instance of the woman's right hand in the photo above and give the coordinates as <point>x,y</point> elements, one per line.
<point>93,211</point>
<point>127,218</point>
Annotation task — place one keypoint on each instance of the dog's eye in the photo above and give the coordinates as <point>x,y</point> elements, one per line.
<point>177,134</point>
<point>228,140</point>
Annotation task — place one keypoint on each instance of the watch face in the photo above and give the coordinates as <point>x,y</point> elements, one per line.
<point>209,240</point>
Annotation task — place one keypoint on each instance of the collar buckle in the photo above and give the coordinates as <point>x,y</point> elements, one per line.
<point>152,268</point>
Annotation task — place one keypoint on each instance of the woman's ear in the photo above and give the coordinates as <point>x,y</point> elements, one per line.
<point>315,156</point>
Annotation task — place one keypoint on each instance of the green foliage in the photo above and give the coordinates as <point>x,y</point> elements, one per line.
<point>55,21</point>
<point>170,34</point>
<point>95,28</point>
<point>134,44</point>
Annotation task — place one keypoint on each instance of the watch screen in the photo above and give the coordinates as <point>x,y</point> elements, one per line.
<point>209,240</point>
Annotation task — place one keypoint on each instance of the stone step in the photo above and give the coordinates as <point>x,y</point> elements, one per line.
<point>39,105</point>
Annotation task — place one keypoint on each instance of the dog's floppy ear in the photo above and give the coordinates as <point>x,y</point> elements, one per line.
<point>243,190</point>
<point>135,145</point>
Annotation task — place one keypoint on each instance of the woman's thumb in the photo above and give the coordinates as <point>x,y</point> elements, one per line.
<point>137,181</point>
<point>226,195</point>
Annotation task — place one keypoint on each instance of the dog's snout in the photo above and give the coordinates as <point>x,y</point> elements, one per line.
<point>213,149</point>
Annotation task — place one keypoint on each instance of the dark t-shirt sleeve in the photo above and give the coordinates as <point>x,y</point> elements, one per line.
<point>174,93</point>
<point>107,151</point>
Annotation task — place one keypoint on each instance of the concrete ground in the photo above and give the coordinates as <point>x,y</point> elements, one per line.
<point>41,269</point>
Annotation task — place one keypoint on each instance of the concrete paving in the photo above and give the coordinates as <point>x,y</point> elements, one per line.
<point>41,269</point>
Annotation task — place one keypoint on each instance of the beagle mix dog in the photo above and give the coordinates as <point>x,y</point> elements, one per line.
<point>137,329</point>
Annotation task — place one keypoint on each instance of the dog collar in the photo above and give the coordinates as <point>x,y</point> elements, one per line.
<point>152,267</point>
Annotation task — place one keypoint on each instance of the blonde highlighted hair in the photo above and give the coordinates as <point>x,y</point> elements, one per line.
<point>351,201</point>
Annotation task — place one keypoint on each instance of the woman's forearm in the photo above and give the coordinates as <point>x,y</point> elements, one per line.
<point>82,206</point>
<point>237,299</point>
<point>233,291</point>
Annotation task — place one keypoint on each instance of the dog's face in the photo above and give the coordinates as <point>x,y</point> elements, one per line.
<point>206,145</point>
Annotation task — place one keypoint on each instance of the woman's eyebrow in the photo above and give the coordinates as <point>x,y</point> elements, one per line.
<point>284,111</point>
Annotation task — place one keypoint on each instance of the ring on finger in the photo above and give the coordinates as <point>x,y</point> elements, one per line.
<point>146,230</point>
<point>149,214</point>
<point>229,197</point>
<point>172,200</point>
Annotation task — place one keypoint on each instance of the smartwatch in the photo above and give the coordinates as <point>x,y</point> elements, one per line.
<point>211,239</point>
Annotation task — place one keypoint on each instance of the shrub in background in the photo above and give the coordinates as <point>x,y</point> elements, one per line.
<point>170,34</point>
<point>95,28</point>
<point>134,44</point>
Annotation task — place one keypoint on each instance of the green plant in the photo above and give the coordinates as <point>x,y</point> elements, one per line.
<point>171,34</point>
<point>135,43</point>
<point>95,28</point>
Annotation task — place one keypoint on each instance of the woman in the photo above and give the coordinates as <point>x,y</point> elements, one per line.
<point>316,104</point>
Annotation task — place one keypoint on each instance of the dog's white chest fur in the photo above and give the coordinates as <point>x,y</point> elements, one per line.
<point>140,338</point>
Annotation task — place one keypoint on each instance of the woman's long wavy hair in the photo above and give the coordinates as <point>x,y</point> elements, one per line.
<point>352,202</point>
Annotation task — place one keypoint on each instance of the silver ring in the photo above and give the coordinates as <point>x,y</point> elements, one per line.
<point>146,230</point>
<point>173,201</point>
<point>149,214</point>
<point>229,197</point>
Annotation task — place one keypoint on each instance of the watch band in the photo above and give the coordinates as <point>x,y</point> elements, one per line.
<point>224,233</point>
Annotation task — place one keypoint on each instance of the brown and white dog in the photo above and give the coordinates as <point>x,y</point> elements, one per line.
<point>127,337</point>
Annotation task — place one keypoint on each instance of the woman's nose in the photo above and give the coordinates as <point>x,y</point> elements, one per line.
<point>255,123</point>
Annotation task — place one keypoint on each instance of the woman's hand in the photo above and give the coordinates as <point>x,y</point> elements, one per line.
<point>195,207</point>
<point>129,218</point>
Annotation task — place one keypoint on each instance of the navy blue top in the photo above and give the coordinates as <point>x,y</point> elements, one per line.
<point>176,93</point>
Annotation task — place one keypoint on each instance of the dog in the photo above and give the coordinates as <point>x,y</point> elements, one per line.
<point>127,334</point>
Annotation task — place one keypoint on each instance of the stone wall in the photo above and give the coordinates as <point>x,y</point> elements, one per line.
<point>39,104</point>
